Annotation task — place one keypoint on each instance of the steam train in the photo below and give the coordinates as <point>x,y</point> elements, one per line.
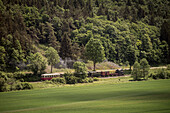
<point>90,74</point>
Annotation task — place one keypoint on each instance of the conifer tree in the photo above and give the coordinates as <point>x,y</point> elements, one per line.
<point>144,66</point>
<point>136,71</point>
<point>66,47</point>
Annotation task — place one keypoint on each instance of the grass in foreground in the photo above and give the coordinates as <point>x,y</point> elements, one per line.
<point>128,97</point>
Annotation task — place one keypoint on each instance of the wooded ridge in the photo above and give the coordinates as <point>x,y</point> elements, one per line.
<point>129,30</point>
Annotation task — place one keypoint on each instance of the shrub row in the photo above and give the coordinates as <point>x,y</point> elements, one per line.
<point>58,80</point>
<point>11,84</point>
<point>73,79</point>
<point>13,81</point>
<point>160,74</point>
<point>21,76</point>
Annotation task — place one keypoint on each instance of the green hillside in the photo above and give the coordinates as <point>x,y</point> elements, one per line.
<point>128,29</point>
<point>105,97</point>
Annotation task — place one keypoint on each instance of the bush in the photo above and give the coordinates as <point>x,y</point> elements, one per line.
<point>168,67</point>
<point>6,87</point>
<point>80,70</point>
<point>70,78</point>
<point>95,79</point>
<point>27,85</point>
<point>81,75</point>
<point>59,80</point>
<point>90,80</point>
<point>48,82</point>
<point>87,80</point>
<point>19,75</point>
<point>19,86</point>
<point>153,76</point>
<point>160,74</point>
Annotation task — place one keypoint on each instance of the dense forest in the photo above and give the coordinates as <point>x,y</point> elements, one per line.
<point>128,29</point>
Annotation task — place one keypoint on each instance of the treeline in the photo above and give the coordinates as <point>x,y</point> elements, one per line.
<point>128,29</point>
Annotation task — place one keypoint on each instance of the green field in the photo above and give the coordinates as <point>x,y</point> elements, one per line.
<point>129,97</point>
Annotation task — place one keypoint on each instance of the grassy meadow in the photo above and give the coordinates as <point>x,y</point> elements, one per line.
<point>151,96</point>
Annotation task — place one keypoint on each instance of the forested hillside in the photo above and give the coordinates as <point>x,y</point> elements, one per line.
<point>128,29</point>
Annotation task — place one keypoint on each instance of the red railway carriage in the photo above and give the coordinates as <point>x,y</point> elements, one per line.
<point>107,73</point>
<point>50,76</point>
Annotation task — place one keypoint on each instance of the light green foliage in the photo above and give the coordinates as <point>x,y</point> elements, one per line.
<point>136,74</point>
<point>58,80</point>
<point>52,56</point>
<point>94,51</point>
<point>80,69</point>
<point>37,63</point>
<point>145,67</point>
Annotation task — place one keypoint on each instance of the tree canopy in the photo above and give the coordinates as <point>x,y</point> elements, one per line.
<point>94,51</point>
<point>127,29</point>
<point>37,63</point>
<point>52,57</point>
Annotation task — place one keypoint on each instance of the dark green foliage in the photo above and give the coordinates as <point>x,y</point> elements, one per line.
<point>144,68</point>
<point>168,67</point>
<point>131,55</point>
<point>10,82</point>
<point>160,74</point>
<point>141,70</point>
<point>66,47</point>
<point>2,58</point>
<point>136,74</point>
<point>27,85</point>
<point>58,80</point>
<point>124,27</point>
<point>70,78</point>
<point>95,79</point>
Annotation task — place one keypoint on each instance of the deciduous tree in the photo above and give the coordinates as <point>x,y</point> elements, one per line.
<point>94,51</point>
<point>37,63</point>
<point>52,56</point>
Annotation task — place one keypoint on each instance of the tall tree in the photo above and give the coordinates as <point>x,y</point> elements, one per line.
<point>144,66</point>
<point>66,47</point>
<point>52,56</point>
<point>94,51</point>
<point>130,55</point>
<point>37,63</point>
<point>136,71</point>
<point>2,58</point>
<point>76,51</point>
